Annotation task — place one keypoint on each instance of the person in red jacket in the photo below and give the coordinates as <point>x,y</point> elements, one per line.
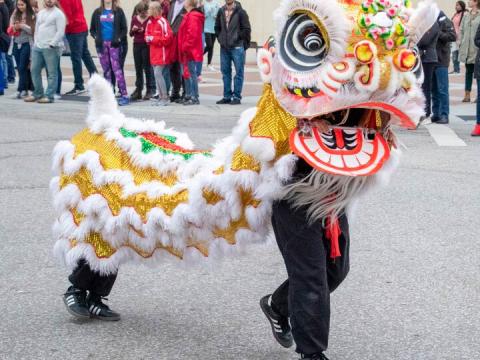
<point>190,49</point>
<point>159,37</point>
<point>76,33</point>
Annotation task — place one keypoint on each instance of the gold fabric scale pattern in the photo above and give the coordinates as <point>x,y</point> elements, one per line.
<point>273,122</point>
<point>243,161</point>
<point>114,158</point>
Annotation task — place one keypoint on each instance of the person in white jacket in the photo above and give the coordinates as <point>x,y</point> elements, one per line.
<point>48,45</point>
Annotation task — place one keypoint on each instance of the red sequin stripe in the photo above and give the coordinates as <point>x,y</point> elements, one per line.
<point>159,141</point>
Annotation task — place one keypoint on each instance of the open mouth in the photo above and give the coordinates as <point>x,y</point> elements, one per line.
<point>351,142</point>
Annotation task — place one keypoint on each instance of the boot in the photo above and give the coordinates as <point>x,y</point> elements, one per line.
<point>136,95</point>
<point>476,130</point>
<point>148,95</point>
<point>466,99</point>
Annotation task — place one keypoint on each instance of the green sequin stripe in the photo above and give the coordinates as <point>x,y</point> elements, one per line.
<point>148,146</point>
<point>130,134</point>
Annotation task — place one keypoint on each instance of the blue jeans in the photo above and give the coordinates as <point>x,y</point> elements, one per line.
<point>478,103</point>
<point>166,77</point>
<point>5,69</point>
<point>11,69</point>
<point>440,98</point>
<point>191,84</point>
<point>22,58</point>
<point>2,78</point>
<point>456,62</point>
<point>45,58</point>
<point>237,56</point>
<point>78,52</point>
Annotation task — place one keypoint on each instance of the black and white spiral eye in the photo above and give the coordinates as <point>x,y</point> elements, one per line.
<point>303,45</point>
<point>417,69</point>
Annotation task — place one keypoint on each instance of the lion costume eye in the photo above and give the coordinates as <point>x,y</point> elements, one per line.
<point>304,42</point>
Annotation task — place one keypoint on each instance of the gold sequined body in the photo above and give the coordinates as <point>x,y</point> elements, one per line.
<point>134,198</point>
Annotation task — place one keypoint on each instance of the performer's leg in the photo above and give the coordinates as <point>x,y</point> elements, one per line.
<point>305,254</point>
<point>338,269</point>
<point>84,279</point>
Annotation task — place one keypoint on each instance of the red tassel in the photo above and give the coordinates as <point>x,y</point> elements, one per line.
<point>333,233</point>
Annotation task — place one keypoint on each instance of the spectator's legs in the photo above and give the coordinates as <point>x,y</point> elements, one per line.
<point>2,79</point>
<point>38,63</point>
<point>427,87</point>
<point>166,76</point>
<point>11,69</point>
<point>148,69</point>
<point>456,63</point>
<point>138,58</point>
<point>441,74</point>
<point>77,42</point>
<point>478,103</point>
<point>226,68</point>
<point>160,81</point>
<point>187,82</point>
<point>116,61</point>
<point>51,58</point>
<point>104,56</point>
<point>238,55</point>
<point>468,81</point>
<point>5,68</point>
<point>22,58</point>
<point>87,57</point>
<point>435,97</point>
<point>176,79</point>
<point>210,41</point>
<point>193,69</point>
<point>59,77</point>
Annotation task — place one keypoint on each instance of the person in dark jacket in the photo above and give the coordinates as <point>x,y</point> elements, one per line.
<point>233,31</point>
<point>108,28</point>
<point>476,129</point>
<point>428,54</point>
<point>175,18</point>
<point>440,96</point>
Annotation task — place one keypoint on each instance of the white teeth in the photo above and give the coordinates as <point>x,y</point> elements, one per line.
<point>323,156</point>
<point>350,131</point>
<point>363,158</point>
<point>337,161</point>
<point>328,143</point>
<point>367,147</point>
<point>312,144</point>
<point>351,161</point>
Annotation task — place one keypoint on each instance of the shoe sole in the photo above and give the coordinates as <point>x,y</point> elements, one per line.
<point>265,312</point>
<point>92,316</point>
<point>73,313</point>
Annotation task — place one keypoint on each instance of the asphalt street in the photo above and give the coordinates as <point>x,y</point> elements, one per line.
<point>413,291</point>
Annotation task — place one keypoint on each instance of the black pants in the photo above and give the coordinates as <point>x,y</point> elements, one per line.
<point>428,69</point>
<point>210,42</point>
<point>312,275</point>
<point>141,56</point>
<point>176,79</point>
<point>83,277</point>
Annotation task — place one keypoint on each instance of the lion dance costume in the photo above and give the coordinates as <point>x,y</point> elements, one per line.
<point>134,190</point>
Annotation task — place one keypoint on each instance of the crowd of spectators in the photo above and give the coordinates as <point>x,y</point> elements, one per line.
<point>170,39</point>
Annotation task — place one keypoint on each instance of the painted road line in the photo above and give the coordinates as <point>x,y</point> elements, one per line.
<point>444,136</point>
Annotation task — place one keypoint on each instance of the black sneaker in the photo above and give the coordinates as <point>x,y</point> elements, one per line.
<point>235,102</point>
<point>99,310</point>
<point>282,332</point>
<point>224,101</point>
<point>76,91</point>
<point>317,356</point>
<point>75,301</point>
